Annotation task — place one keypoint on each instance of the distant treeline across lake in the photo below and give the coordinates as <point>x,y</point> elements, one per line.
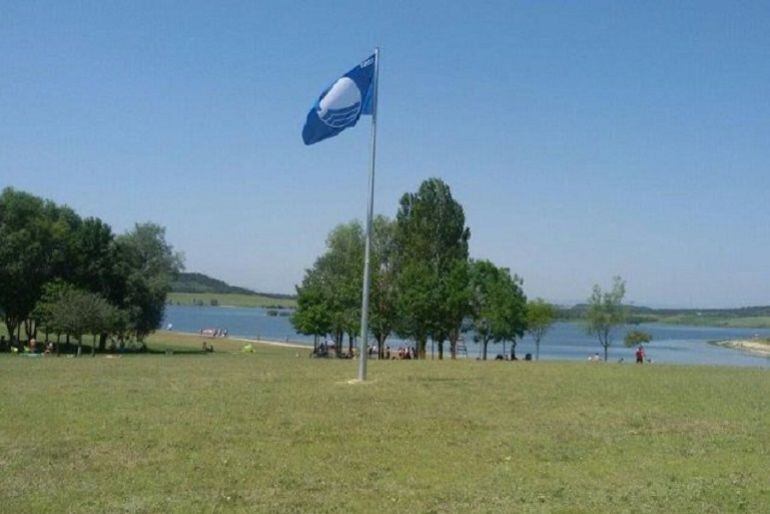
<point>677,344</point>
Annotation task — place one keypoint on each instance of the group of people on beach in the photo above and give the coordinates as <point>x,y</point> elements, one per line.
<point>213,332</point>
<point>403,353</point>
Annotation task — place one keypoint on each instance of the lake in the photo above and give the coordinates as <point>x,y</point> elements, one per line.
<point>675,344</point>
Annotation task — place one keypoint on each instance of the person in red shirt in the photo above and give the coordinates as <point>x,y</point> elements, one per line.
<point>640,355</point>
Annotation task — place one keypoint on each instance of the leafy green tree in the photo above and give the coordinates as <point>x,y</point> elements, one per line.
<point>93,257</point>
<point>331,290</point>
<point>34,248</point>
<point>341,268</point>
<point>75,312</point>
<point>41,242</point>
<point>456,306</point>
<point>606,312</point>
<point>383,291</point>
<point>48,310</point>
<point>540,316</point>
<point>498,305</point>
<point>148,264</point>
<point>430,238</point>
<point>312,316</point>
<point>418,299</point>
<point>96,265</point>
<point>636,338</point>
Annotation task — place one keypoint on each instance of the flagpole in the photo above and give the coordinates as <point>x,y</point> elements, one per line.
<point>363,348</point>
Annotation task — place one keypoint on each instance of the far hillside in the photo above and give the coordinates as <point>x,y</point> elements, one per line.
<point>200,289</point>
<point>741,317</point>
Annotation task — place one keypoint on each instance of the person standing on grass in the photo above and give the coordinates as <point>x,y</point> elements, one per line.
<point>640,355</point>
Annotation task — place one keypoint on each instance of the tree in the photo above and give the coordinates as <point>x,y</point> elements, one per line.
<point>148,264</point>
<point>48,310</point>
<point>636,338</point>
<point>41,242</point>
<point>95,264</point>
<point>430,238</point>
<point>606,312</point>
<point>331,290</point>
<point>418,301</point>
<point>540,317</point>
<point>456,293</point>
<point>34,248</point>
<point>329,298</point>
<point>341,269</point>
<point>498,305</point>
<point>383,291</point>
<point>312,316</point>
<point>75,312</point>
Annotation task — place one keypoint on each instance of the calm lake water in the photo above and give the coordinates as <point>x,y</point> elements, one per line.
<point>678,344</point>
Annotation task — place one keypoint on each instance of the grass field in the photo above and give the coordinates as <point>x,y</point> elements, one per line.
<point>230,300</point>
<point>718,321</point>
<point>275,431</point>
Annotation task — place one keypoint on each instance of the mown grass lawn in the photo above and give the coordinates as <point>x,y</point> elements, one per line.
<point>275,431</point>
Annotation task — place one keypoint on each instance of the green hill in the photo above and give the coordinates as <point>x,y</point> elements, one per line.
<point>200,283</point>
<point>740,317</point>
<point>200,289</point>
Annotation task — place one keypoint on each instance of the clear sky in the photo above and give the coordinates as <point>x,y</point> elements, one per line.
<point>584,139</point>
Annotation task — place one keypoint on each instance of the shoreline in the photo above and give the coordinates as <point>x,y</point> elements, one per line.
<point>758,348</point>
<point>267,342</point>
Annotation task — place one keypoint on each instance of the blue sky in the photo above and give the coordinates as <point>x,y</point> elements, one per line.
<point>584,139</point>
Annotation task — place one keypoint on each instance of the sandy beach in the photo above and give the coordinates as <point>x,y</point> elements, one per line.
<point>757,347</point>
<point>244,340</point>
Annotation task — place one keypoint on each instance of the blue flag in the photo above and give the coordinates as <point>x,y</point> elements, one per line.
<point>340,105</point>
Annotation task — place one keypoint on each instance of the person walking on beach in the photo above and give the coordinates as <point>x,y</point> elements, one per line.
<point>640,355</point>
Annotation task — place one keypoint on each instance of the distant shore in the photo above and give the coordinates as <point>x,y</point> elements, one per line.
<point>758,347</point>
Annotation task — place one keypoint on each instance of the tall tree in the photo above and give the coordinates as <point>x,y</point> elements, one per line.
<point>456,297</point>
<point>418,300</point>
<point>34,239</point>
<point>312,316</point>
<point>540,317</point>
<point>149,264</point>
<point>498,305</point>
<point>430,237</point>
<point>382,304</point>
<point>332,288</point>
<point>606,313</point>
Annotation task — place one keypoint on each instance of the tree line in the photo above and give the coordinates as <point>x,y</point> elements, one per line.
<point>424,284</point>
<point>69,276</point>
